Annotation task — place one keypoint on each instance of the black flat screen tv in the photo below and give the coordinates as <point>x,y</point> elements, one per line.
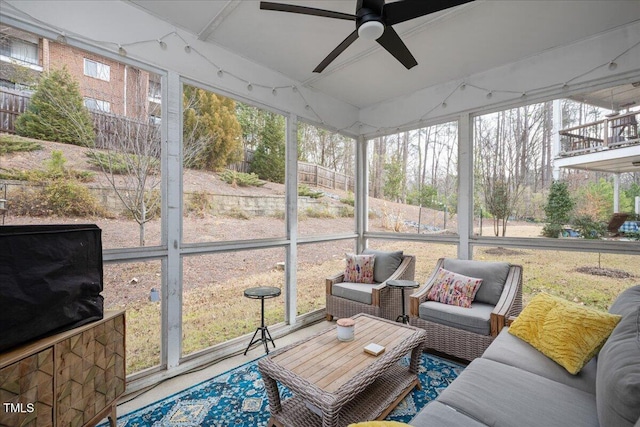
<point>51,278</point>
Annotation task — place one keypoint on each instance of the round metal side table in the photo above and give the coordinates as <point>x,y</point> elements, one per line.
<point>261,293</point>
<point>402,285</point>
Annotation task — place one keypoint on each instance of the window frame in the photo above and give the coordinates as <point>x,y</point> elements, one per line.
<point>102,70</point>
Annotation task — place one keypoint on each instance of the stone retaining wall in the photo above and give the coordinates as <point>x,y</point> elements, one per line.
<point>221,204</point>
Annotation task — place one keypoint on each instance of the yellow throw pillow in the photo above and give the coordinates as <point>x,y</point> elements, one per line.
<point>567,333</point>
<point>379,424</point>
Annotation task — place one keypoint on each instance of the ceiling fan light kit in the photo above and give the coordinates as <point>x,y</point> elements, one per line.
<point>371,30</point>
<point>374,20</point>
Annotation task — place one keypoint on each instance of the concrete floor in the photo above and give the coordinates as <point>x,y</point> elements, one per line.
<point>186,380</point>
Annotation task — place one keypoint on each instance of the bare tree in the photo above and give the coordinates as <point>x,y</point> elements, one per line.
<point>129,155</point>
<point>499,142</point>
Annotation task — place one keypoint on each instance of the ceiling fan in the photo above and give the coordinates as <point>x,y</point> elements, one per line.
<point>374,20</point>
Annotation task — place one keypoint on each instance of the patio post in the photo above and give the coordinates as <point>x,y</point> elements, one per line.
<point>465,186</point>
<point>361,193</point>
<point>291,195</point>
<point>171,347</point>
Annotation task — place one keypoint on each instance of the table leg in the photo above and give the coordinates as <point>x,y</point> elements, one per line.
<point>271,387</point>
<point>416,355</point>
<point>253,341</point>
<point>403,317</point>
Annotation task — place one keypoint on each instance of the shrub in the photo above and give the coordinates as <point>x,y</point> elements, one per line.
<point>199,203</point>
<point>319,213</point>
<point>238,213</point>
<point>552,230</point>
<point>305,191</point>
<point>633,235</point>
<point>349,200</point>
<point>346,212</point>
<point>588,227</point>
<point>56,112</point>
<point>54,168</point>
<point>62,197</point>
<point>242,179</point>
<point>14,144</point>
<point>59,192</point>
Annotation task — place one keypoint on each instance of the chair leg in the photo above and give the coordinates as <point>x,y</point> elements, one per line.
<point>329,317</point>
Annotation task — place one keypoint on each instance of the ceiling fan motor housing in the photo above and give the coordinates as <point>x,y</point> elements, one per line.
<point>371,10</point>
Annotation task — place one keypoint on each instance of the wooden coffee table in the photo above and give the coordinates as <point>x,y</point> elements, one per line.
<point>336,383</point>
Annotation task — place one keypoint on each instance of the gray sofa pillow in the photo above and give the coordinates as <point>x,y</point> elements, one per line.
<point>385,265</point>
<point>493,275</point>
<point>618,375</point>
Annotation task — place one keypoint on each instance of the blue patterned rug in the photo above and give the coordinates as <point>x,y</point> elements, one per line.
<point>237,398</point>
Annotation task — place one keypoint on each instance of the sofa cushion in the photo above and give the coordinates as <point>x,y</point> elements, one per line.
<point>618,377</point>
<point>476,319</point>
<point>566,332</point>
<point>500,395</point>
<point>436,414</point>
<point>511,350</point>
<point>493,275</point>
<point>359,292</point>
<point>386,263</point>
<point>453,288</point>
<point>627,302</point>
<point>359,268</point>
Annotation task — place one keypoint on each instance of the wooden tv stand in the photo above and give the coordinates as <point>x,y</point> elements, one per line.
<point>73,378</point>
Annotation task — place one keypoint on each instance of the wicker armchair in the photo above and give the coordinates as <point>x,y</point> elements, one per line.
<point>384,302</point>
<point>467,332</point>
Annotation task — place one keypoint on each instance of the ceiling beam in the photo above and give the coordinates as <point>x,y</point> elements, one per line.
<point>206,32</point>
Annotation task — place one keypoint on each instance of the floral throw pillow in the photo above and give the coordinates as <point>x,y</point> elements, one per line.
<point>359,268</point>
<point>453,288</point>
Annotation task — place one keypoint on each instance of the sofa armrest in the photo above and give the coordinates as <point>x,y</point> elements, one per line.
<point>510,302</point>
<point>420,295</point>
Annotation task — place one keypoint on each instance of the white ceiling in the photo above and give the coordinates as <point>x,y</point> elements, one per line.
<point>450,45</point>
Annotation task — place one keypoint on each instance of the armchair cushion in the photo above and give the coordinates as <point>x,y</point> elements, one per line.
<point>359,268</point>
<point>360,292</point>
<point>386,263</point>
<point>493,275</point>
<point>453,288</point>
<point>476,319</point>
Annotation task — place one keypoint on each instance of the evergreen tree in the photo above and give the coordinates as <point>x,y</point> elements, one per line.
<point>212,133</point>
<point>393,180</point>
<point>56,112</point>
<point>269,159</point>
<point>558,209</point>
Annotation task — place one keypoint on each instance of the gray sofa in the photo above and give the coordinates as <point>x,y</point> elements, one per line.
<point>513,384</point>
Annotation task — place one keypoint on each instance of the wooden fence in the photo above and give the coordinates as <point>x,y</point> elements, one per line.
<point>12,104</point>
<point>308,173</point>
<point>320,176</point>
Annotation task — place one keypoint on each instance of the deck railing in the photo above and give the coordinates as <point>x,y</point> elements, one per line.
<point>613,132</point>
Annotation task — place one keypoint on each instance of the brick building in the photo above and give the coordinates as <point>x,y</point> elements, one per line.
<point>106,85</point>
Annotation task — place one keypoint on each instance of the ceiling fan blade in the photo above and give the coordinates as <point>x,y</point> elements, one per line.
<point>281,7</point>
<point>401,11</point>
<point>391,41</point>
<point>337,51</point>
